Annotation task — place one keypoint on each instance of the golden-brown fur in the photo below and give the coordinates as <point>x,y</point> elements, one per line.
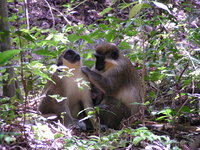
<point>66,87</point>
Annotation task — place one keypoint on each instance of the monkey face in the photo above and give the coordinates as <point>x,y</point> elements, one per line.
<point>103,60</point>
<point>100,63</point>
<point>71,56</point>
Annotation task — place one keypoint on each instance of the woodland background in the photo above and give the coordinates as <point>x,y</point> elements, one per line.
<point>160,37</point>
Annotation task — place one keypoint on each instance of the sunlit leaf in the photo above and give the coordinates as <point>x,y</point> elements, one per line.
<point>43,75</point>
<point>137,139</point>
<point>9,139</point>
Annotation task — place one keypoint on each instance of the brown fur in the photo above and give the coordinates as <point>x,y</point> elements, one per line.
<point>118,80</point>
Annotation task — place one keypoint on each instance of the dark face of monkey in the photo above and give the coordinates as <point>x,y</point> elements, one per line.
<point>112,54</point>
<point>69,55</point>
<point>100,63</point>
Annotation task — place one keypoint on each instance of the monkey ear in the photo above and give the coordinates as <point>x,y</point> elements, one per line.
<point>115,54</point>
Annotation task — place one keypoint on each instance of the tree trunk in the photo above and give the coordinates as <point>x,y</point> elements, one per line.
<point>5,44</point>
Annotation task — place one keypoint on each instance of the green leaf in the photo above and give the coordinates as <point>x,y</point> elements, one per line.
<point>6,55</point>
<point>43,52</point>
<point>125,5</point>
<point>73,37</point>
<point>137,139</point>
<point>100,35</point>
<point>124,45</point>
<point>26,35</point>
<point>106,10</point>
<point>162,6</point>
<point>87,38</point>
<point>136,8</point>
<point>103,26</point>
<point>43,75</point>
<point>110,36</point>
<point>186,109</point>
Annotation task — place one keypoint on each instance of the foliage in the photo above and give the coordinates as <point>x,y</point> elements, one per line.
<point>117,139</point>
<point>153,36</point>
<point>7,110</point>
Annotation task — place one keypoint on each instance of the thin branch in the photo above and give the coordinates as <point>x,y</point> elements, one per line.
<point>26,14</point>
<point>79,4</point>
<point>63,15</point>
<point>50,8</point>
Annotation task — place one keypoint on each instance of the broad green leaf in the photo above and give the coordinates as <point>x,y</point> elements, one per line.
<point>186,109</point>
<point>26,35</point>
<point>137,139</point>
<point>135,10</point>
<point>73,37</point>
<point>103,26</point>
<point>6,55</point>
<point>162,6</point>
<point>106,10</point>
<point>43,75</point>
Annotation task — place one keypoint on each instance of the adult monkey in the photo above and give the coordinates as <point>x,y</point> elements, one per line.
<point>67,87</point>
<point>115,75</point>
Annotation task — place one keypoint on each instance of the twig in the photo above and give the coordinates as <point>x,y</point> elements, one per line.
<point>26,14</point>
<point>51,13</point>
<point>143,81</point>
<point>179,80</point>
<point>79,4</point>
<point>63,15</point>
<point>178,88</point>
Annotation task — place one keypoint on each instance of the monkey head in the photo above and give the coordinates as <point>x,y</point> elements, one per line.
<point>70,59</point>
<point>106,55</point>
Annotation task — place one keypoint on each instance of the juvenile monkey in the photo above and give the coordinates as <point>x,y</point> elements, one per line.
<point>117,78</point>
<point>67,87</point>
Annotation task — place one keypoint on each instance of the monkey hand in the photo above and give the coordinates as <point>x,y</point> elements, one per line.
<point>85,69</point>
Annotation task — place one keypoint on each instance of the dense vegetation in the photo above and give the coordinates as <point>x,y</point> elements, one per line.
<point>160,38</point>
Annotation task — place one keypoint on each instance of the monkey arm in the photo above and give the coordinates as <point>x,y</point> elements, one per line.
<point>98,80</point>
